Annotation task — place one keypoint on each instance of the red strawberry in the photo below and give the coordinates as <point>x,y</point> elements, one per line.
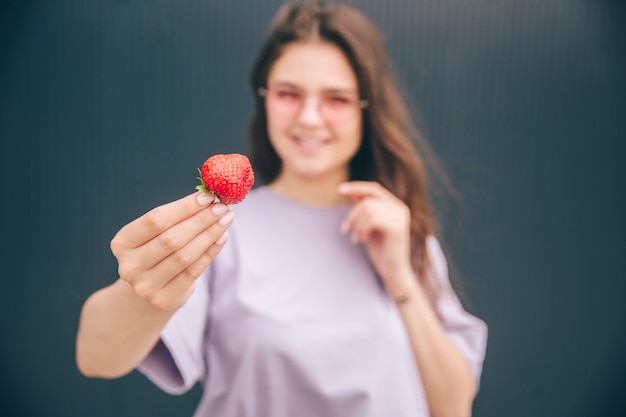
<point>227,176</point>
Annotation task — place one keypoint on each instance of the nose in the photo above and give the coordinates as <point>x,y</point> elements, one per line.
<point>310,112</point>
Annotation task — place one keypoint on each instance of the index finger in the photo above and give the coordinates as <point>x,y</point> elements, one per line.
<point>358,190</point>
<point>161,218</point>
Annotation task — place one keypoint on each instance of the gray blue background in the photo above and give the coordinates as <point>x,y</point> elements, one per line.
<point>108,107</point>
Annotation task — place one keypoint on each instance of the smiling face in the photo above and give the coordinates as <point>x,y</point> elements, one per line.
<point>314,118</point>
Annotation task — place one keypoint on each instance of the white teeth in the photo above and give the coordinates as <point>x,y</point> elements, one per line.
<point>307,141</point>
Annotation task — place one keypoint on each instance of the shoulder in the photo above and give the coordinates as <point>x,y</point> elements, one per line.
<point>436,255</point>
<point>437,262</point>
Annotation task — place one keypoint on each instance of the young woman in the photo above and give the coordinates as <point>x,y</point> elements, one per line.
<point>331,297</point>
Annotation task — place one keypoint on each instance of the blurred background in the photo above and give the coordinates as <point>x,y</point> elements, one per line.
<point>108,107</point>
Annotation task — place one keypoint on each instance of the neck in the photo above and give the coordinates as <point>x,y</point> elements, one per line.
<point>313,191</point>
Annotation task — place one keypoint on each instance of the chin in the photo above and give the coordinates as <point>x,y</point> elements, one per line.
<point>311,172</point>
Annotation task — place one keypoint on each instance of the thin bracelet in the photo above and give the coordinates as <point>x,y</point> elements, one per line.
<point>403,299</point>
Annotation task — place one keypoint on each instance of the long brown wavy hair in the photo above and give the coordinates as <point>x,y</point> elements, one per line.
<point>393,152</point>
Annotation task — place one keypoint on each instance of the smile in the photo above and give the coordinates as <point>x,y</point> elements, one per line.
<point>310,143</point>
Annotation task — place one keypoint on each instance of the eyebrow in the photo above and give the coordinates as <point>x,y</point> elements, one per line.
<point>324,90</point>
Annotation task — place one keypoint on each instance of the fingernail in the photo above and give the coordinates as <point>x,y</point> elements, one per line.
<point>344,228</point>
<point>343,188</point>
<point>204,199</point>
<point>219,209</point>
<point>222,239</point>
<point>226,218</point>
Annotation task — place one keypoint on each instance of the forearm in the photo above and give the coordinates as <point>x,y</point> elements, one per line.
<point>446,377</point>
<point>116,331</point>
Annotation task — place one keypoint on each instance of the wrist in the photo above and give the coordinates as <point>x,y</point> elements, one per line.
<point>403,287</point>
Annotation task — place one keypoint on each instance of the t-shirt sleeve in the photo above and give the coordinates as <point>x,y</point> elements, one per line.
<point>177,361</point>
<point>466,331</point>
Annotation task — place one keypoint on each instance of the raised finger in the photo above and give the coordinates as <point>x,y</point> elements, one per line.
<point>358,190</point>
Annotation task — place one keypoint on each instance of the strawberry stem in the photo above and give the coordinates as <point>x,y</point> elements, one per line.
<point>202,187</point>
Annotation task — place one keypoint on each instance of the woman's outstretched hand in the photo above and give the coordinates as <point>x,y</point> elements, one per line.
<point>381,222</point>
<point>162,253</point>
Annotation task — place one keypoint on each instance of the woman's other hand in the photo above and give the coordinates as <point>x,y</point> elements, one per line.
<point>381,222</point>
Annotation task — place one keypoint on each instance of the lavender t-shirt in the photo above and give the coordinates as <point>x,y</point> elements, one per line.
<point>291,320</point>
